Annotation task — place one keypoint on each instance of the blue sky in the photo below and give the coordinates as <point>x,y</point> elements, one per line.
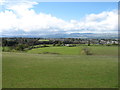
<point>74,10</point>
<point>23,17</point>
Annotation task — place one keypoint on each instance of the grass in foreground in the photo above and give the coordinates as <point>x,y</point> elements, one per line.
<point>23,70</point>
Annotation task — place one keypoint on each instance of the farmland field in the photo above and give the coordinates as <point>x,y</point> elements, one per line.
<point>96,50</point>
<point>66,69</point>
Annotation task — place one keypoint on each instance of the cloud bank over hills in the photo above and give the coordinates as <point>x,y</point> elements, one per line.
<point>19,18</point>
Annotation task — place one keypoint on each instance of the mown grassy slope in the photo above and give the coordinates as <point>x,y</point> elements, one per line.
<point>96,50</point>
<point>67,70</point>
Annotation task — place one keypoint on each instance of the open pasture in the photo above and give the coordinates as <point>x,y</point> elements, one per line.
<point>96,50</point>
<point>68,69</point>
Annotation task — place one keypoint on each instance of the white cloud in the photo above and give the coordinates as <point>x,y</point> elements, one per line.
<point>1,2</point>
<point>20,17</point>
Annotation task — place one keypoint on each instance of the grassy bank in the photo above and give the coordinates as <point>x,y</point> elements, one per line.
<point>23,70</point>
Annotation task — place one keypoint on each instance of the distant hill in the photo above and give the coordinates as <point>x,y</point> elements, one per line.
<point>72,35</point>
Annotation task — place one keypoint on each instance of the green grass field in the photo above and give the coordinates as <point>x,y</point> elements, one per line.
<point>96,50</point>
<point>68,69</point>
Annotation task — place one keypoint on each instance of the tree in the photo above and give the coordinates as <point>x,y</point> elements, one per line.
<point>87,51</point>
<point>20,47</point>
<point>88,42</point>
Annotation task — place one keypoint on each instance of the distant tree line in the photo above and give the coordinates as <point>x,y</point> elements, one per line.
<point>29,43</point>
